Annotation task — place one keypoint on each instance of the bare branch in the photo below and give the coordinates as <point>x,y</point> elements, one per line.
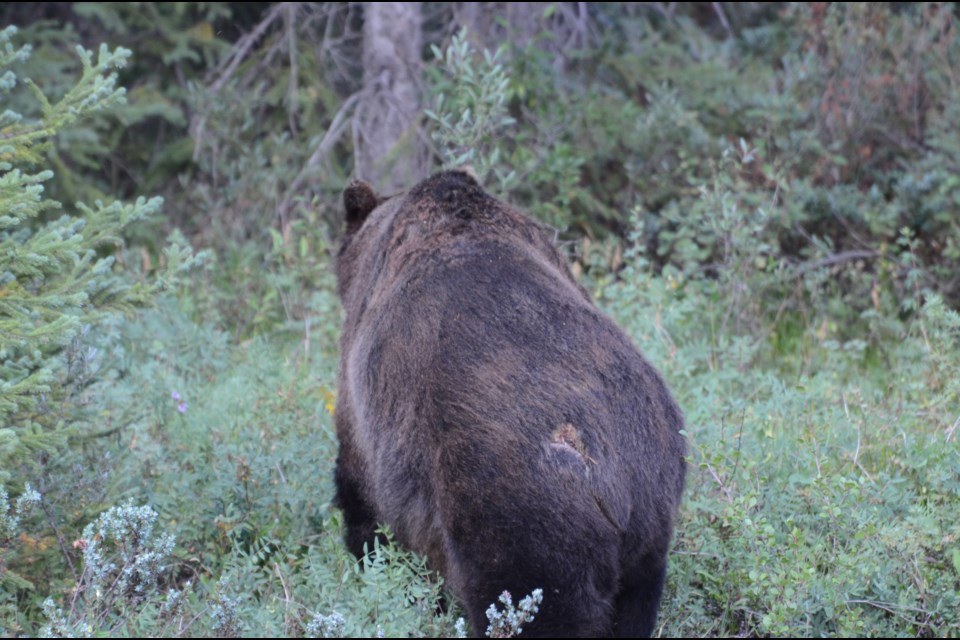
<point>292,88</point>
<point>243,47</point>
<point>837,258</point>
<point>333,134</point>
<point>56,531</point>
<point>953,429</point>
<point>722,16</point>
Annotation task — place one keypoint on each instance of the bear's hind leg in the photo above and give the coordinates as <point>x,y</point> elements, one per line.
<point>639,600</point>
<point>358,514</point>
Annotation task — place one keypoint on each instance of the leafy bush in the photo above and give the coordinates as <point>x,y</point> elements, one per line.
<point>822,499</point>
<point>470,108</point>
<point>238,465</point>
<point>122,560</point>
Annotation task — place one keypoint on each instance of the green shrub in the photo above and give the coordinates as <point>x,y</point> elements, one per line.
<point>822,494</point>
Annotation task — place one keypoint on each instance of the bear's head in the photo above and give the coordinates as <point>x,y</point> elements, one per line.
<point>441,217</point>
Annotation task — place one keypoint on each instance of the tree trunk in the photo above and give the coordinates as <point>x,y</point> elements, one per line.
<point>389,151</point>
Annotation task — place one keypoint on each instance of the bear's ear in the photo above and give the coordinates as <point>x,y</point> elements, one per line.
<point>359,199</point>
<point>470,171</point>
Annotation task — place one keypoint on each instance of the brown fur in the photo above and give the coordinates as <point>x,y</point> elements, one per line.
<point>494,418</point>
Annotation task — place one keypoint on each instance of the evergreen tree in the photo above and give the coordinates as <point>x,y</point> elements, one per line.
<point>58,279</point>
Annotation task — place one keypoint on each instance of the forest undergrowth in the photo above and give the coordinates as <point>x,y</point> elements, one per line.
<point>766,199</point>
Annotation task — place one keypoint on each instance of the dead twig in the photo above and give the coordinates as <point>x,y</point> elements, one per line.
<point>334,132</point>
<point>952,429</point>
<point>845,256</point>
<point>56,532</point>
<point>722,16</point>
<point>891,608</point>
<point>286,599</point>
<point>229,65</point>
<point>292,87</point>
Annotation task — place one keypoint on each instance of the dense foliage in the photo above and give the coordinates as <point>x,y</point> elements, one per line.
<point>765,197</point>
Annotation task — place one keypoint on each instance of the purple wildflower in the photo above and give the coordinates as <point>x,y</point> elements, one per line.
<point>182,407</point>
<point>175,395</point>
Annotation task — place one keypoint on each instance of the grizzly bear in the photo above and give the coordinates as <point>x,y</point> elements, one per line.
<point>494,418</point>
